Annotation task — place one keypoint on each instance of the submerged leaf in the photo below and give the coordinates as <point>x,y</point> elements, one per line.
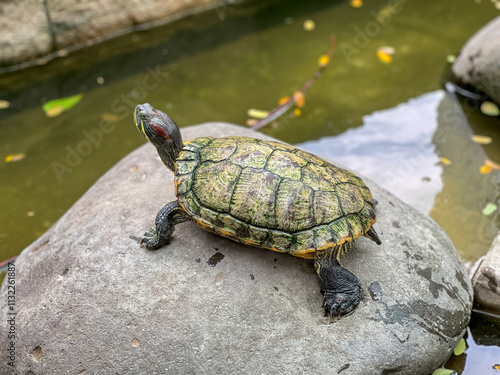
<point>309,25</point>
<point>482,139</point>
<point>445,161</point>
<point>55,107</point>
<point>489,209</point>
<point>14,157</point>
<point>4,104</point>
<point>297,112</point>
<point>111,117</point>
<point>257,113</point>
<point>490,109</point>
<point>460,348</point>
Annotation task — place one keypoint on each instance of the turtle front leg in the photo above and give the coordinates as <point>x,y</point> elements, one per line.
<point>167,218</point>
<point>341,289</point>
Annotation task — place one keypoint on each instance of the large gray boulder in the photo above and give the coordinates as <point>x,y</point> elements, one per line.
<point>478,63</point>
<point>90,300</point>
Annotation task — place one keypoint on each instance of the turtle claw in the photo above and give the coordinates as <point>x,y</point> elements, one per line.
<point>150,241</point>
<point>339,304</point>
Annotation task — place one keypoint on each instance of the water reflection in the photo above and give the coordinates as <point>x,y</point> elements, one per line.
<point>403,149</point>
<point>393,148</point>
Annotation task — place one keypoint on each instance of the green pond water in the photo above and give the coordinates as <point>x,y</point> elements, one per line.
<point>217,65</point>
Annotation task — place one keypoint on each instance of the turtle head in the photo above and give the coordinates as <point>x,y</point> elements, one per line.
<point>161,131</point>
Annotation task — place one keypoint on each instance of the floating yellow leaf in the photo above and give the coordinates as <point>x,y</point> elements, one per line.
<point>482,139</point>
<point>485,169</point>
<point>323,60</point>
<point>384,54</point>
<point>14,157</point>
<point>309,25</point>
<point>451,59</point>
<point>299,98</point>
<point>445,161</point>
<point>490,109</point>
<point>460,348</point>
<point>111,117</point>
<point>54,111</point>
<point>356,3</point>
<point>257,113</point>
<point>283,100</point>
<point>297,112</point>
<point>492,164</point>
<point>497,367</point>
<point>4,104</point>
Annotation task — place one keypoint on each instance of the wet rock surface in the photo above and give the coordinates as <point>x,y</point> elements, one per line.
<point>478,63</point>
<point>486,280</point>
<point>90,300</point>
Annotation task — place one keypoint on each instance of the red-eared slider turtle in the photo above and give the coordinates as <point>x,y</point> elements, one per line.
<point>264,194</point>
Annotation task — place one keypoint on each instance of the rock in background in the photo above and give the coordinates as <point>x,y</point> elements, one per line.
<point>90,300</point>
<point>35,28</point>
<point>478,63</point>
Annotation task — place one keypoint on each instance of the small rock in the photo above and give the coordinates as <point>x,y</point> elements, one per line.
<point>478,63</point>
<point>486,280</point>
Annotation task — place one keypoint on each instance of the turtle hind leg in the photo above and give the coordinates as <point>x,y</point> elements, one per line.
<point>167,218</point>
<point>341,289</point>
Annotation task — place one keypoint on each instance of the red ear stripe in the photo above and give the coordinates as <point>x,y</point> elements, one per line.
<point>160,131</point>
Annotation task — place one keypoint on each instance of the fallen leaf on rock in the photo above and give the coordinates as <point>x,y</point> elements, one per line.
<point>14,157</point>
